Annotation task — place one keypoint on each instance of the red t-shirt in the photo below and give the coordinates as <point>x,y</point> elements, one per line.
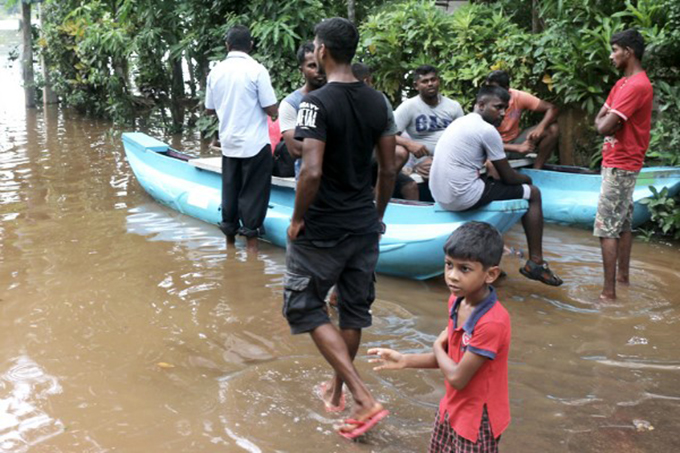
<point>487,333</point>
<point>631,99</point>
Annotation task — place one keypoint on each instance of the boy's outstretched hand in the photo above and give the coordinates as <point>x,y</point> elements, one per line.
<point>388,359</point>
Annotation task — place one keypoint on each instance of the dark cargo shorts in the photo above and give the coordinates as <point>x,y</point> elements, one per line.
<point>312,267</point>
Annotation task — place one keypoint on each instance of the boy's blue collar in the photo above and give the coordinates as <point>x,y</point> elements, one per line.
<point>479,311</point>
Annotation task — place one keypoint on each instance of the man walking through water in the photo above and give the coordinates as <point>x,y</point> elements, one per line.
<point>240,93</point>
<point>336,224</point>
<point>625,121</point>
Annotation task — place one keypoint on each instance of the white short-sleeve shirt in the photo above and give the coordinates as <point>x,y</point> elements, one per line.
<point>238,89</point>
<point>463,148</point>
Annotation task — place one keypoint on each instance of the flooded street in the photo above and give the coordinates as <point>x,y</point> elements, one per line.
<point>125,326</point>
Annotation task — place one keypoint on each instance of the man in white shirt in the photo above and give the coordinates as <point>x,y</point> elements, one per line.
<point>423,118</point>
<point>457,185</point>
<point>240,93</point>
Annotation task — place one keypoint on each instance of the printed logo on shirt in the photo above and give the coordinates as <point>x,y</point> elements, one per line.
<point>306,117</point>
<point>466,339</point>
<point>609,143</point>
<point>431,123</point>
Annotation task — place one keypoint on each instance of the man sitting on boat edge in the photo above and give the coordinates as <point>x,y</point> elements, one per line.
<point>456,184</point>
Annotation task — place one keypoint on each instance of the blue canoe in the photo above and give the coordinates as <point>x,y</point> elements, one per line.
<point>416,231</point>
<point>570,194</point>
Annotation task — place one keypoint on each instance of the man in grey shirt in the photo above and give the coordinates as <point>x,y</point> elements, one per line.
<point>423,118</point>
<point>457,185</point>
<point>289,106</point>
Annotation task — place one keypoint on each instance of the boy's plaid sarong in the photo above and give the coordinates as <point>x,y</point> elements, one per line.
<point>446,440</point>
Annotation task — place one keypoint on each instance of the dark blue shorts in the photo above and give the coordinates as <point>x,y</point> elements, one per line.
<point>312,267</point>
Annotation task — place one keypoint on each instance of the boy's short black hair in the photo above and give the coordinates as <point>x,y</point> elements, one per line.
<point>630,38</point>
<point>493,91</point>
<point>476,241</point>
<point>361,71</point>
<point>302,52</point>
<point>238,38</point>
<point>423,70</point>
<point>340,37</point>
<point>500,78</point>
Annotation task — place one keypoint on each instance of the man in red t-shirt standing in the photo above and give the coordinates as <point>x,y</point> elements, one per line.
<point>625,121</point>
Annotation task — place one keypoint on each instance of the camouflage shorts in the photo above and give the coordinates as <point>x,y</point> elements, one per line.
<point>615,207</point>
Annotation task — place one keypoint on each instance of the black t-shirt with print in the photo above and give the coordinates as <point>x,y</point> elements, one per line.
<point>350,118</point>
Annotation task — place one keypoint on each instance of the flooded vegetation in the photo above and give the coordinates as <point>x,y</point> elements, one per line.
<point>126,326</point>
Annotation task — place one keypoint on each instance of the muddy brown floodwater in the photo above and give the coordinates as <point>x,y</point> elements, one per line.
<point>125,326</point>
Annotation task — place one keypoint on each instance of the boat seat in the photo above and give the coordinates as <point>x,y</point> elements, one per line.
<point>214,164</point>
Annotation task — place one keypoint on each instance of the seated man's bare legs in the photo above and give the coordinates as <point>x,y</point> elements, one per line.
<point>401,157</point>
<point>409,191</point>
<point>546,145</point>
<point>532,222</point>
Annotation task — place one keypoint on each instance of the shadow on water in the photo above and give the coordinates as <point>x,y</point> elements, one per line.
<point>126,326</point>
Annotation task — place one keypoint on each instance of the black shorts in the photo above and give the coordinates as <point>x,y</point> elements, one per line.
<point>496,190</point>
<point>312,267</point>
<point>400,181</point>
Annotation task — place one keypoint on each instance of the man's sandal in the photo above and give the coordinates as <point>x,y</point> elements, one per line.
<point>540,272</point>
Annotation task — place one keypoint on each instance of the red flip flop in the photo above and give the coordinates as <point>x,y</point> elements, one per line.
<point>320,391</point>
<point>362,427</point>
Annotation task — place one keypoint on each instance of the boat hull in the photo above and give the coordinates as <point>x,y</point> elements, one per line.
<point>571,198</point>
<point>412,246</point>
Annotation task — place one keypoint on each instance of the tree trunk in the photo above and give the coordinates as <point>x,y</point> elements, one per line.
<point>49,96</point>
<point>351,11</point>
<point>177,94</point>
<point>535,19</point>
<point>27,55</point>
<point>192,76</point>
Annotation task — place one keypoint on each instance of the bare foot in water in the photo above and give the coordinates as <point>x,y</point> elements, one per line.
<point>606,296</point>
<point>231,241</point>
<point>252,245</point>
<point>332,397</point>
<point>623,280</point>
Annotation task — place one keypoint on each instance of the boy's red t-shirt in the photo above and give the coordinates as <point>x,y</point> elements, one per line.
<point>487,333</point>
<point>631,99</point>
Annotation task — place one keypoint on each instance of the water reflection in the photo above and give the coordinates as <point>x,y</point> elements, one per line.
<point>25,390</point>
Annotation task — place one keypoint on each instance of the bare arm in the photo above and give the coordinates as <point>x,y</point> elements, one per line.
<point>456,374</point>
<point>389,359</point>
<point>387,173</point>
<point>308,183</point>
<point>524,148</point>
<point>272,111</point>
<point>508,175</point>
<point>412,147</point>
<point>293,146</point>
<point>607,122</point>
<point>210,112</point>
<point>550,117</point>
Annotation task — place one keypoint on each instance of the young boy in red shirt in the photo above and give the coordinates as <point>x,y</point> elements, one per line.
<point>472,353</point>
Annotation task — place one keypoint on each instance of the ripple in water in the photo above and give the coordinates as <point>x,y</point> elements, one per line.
<point>23,423</point>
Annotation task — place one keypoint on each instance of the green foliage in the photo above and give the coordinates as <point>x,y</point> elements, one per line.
<point>665,212</point>
<point>464,46</point>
